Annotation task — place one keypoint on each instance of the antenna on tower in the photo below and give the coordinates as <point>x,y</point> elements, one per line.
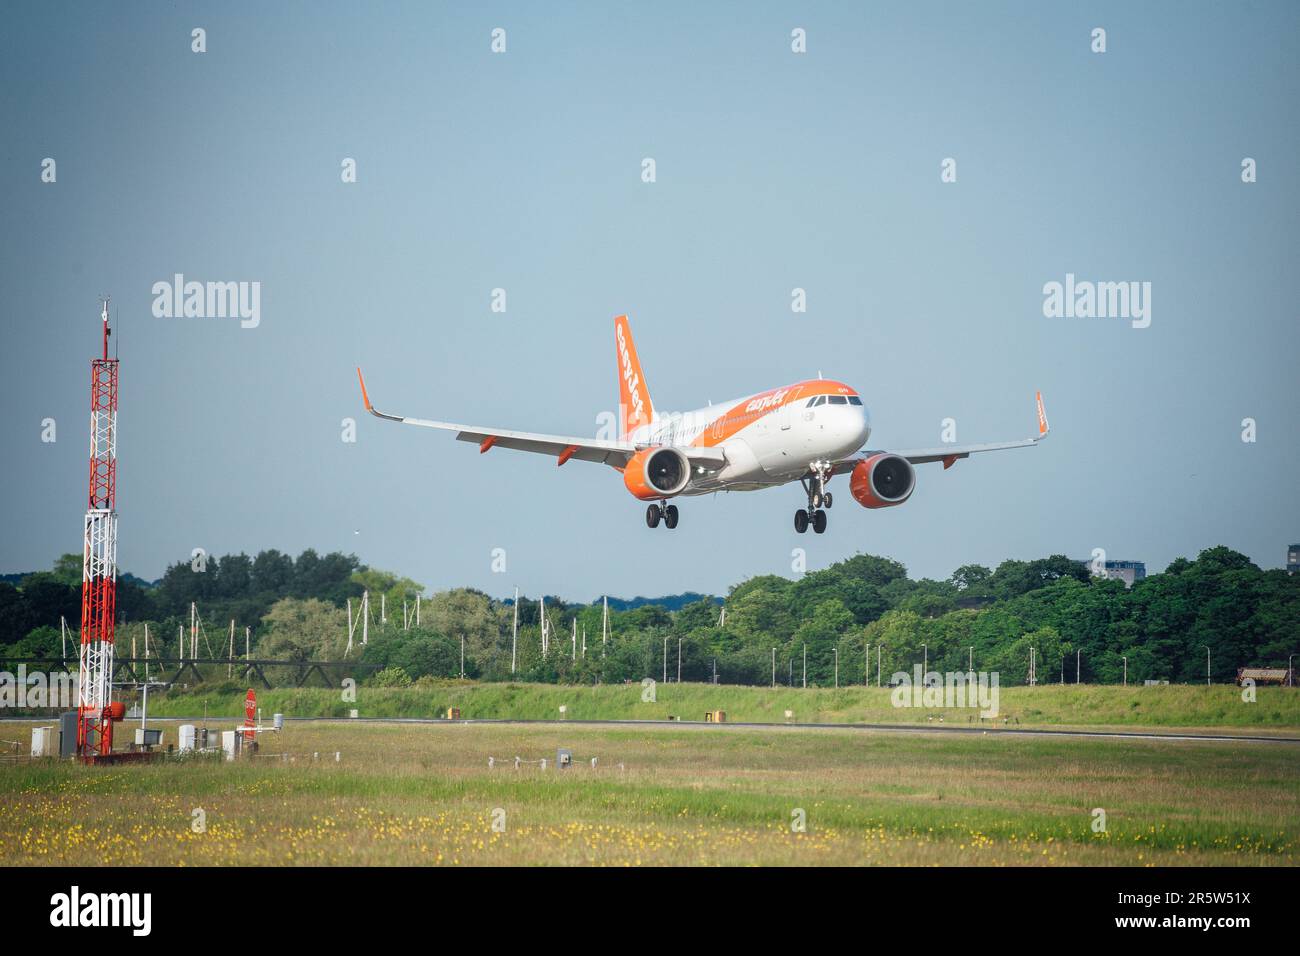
<point>103,317</point>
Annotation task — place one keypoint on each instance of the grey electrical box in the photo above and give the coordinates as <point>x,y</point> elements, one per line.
<point>68,733</point>
<point>563,759</point>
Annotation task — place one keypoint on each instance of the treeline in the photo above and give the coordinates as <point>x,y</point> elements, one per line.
<point>864,613</point>
<point>233,587</point>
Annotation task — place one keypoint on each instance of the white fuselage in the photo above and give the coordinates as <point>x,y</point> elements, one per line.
<point>769,438</point>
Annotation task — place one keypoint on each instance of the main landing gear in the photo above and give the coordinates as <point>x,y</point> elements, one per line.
<point>665,511</point>
<point>818,498</point>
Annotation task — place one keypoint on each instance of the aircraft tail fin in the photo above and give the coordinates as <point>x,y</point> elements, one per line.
<point>636,409</point>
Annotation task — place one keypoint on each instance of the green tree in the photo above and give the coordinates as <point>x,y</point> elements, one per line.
<point>391,677</point>
<point>897,637</point>
<point>304,630</point>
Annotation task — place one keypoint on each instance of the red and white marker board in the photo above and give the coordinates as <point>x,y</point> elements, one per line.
<point>250,712</point>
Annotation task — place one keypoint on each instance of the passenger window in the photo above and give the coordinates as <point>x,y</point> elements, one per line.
<point>838,400</point>
<point>854,400</point>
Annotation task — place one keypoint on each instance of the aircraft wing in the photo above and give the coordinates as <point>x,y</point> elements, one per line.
<point>561,447</point>
<point>950,453</point>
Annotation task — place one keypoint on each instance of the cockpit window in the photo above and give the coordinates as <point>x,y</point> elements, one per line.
<point>811,402</point>
<point>854,400</point>
<point>821,399</point>
<point>838,400</point>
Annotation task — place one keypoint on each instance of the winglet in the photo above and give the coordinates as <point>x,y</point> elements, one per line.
<point>370,408</point>
<point>1042,416</point>
<point>366,398</point>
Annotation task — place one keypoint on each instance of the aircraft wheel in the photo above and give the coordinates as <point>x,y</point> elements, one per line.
<point>652,515</point>
<point>670,516</point>
<point>826,499</point>
<point>819,522</point>
<point>801,521</point>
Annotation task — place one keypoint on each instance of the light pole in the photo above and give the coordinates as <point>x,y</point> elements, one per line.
<point>1125,669</point>
<point>1207,664</point>
<point>925,663</point>
<point>1290,672</point>
<point>774,667</point>
<point>880,652</point>
<point>1077,651</point>
<point>866,671</point>
<point>665,659</point>
<point>837,667</point>
<point>679,660</point>
<point>970,658</point>
<point>805,666</point>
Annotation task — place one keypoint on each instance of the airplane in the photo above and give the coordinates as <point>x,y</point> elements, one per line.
<point>808,432</point>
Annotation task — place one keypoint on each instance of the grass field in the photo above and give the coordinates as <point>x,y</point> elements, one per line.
<point>417,794</point>
<point>1276,709</point>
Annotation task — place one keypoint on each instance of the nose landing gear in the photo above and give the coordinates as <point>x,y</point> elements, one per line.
<point>665,511</point>
<point>818,498</point>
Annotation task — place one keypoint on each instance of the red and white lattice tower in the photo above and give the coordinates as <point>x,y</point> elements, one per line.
<point>99,562</point>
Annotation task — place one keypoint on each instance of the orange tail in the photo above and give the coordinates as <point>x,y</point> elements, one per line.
<point>636,409</point>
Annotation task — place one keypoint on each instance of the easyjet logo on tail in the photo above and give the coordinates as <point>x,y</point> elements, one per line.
<point>631,378</point>
<point>633,394</point>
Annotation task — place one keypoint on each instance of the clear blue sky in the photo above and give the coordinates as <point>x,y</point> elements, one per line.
<point>775,170</point>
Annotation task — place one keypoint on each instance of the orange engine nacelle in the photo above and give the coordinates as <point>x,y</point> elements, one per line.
<point>882,481</point>
<point>657,473</point>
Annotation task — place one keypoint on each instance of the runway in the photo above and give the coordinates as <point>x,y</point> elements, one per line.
<point>888,728</point>
<point>751,725</point>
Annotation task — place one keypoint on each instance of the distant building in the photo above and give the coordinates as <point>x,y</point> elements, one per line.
<point>1126,571</point>
<point>1264,675</point>
<point>1293,559</point>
